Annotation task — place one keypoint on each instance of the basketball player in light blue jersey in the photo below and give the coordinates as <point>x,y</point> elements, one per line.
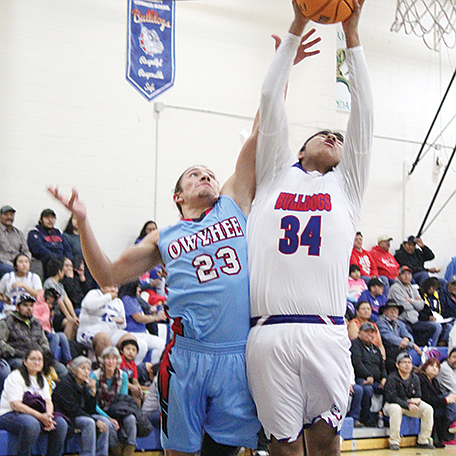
<point>202,382</point>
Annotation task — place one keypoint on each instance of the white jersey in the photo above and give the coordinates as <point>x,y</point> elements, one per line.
<point>301,228</point>
<point>100,313</point>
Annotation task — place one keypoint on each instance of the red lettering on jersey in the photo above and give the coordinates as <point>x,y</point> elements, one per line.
<point>313,203</point>
<point>321,202</point>
<point>303,203</point>
<point>328,205</point>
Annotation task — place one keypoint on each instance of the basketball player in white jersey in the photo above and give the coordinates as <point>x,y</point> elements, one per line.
<point>300,235</point>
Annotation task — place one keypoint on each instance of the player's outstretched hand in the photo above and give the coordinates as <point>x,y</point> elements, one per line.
<point>302,51</point>
<point>73,204</point>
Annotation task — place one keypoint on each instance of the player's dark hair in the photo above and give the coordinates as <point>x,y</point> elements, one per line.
<point>358,233</point>
<point>178,186</point>
<point>178,189</point>
<point>338,135</point>
<point>354,267</point>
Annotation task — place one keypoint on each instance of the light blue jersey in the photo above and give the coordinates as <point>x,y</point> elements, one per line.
<point>206,261</point>
<point>202,381</point>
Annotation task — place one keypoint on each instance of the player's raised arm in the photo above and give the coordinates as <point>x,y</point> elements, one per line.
<point>273,150</point>
<point>354,166</point>
<point>130,265</point>
<point>241,185</point>
<point>350,26</point>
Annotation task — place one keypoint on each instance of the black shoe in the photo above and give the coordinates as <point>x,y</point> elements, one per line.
<point>439,445</point>
<point>427,446</point>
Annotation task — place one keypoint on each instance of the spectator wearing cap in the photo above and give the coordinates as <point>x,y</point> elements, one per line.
<point>403,397</point>
<point>395,335</point>
<point>384,261</point>
<point>363,315</point>
<point>12,240</point>
<point>412,257</point>
<point>375,296</point>
<point>409,298</point>
<point>20,331</point>
<point>46,241</point>
<point>370,371</point>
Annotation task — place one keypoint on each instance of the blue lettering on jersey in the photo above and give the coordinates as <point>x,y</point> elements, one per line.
<point>303,203</point>
<point>220,231</point>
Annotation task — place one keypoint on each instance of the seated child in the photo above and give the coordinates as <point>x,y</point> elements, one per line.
<point>128,351</point>
<point>356,284</point>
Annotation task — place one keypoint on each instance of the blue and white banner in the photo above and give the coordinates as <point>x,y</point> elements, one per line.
<point>150,54</point>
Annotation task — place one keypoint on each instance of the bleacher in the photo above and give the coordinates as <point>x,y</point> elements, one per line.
<point>377,438</point>
<point>9,444</point>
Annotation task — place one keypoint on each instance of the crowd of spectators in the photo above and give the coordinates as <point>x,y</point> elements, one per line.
<point>60,336</point>
<point>58,313</point>
<point>403,309</point>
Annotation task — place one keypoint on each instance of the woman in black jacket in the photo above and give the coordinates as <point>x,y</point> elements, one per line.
<point>76,397</point>
<point>443,404</point>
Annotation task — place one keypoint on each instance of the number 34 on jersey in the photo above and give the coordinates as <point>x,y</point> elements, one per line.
<point>296,236</point>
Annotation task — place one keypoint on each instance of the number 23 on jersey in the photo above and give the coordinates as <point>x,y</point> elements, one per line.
<point>204,264</point>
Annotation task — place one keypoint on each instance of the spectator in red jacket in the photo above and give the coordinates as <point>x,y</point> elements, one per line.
<point>365,261</point>
<point>386,263</point>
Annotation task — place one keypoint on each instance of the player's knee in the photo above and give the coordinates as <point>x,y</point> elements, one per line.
<point>211,448</point>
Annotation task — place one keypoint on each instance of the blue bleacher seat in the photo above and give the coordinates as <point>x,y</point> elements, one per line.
<point>8,443</point>
<point>346,431</point>
<point>410,426</point>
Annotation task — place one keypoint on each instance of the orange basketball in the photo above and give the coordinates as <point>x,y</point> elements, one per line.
<point>326,11</point>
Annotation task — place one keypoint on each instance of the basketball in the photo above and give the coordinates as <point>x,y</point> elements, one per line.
<point>326,11</point>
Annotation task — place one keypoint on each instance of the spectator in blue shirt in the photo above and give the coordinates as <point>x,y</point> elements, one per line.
<point>136,323</point>
<point>374,296</point>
